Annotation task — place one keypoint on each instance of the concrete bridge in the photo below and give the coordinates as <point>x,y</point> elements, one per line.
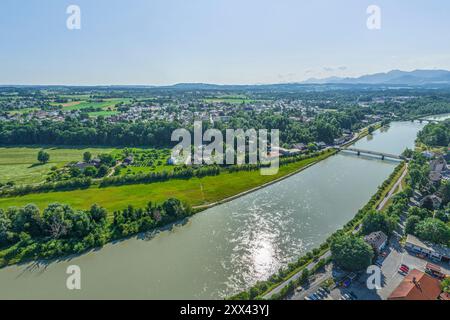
<point>383,155</point>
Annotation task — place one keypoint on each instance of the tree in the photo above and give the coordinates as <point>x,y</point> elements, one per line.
<point>26,219</point>
<point>408,153</point>
<point>304,276</point>
<point>90,172</point>
<point>106,159</point>
<point>87,156</point>
<point>411,223</point>
<point>351,252</point>
<point>57,221</point>
<point>377,221</point>
<point>81,224</point>
<point>102,171</point>
<point>445,192</point>
<point>445,285</point>
<point>74,172</point>
<point>43,157</point>
<point>175,208</point>
<point>5,226</point>
<point>98,214</point>
<point>433,230</point>
<point>422,213</point>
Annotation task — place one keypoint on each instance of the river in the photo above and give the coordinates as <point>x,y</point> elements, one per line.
<point>229,247</point>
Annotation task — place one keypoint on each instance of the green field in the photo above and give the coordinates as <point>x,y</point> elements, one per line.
<point>194,191</point>
<point>19,164</point>
<point>107,103</point>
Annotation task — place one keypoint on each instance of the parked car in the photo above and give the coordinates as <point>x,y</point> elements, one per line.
<point>323,292</point>
<point>320,295</point>
<point>353,295</point>
<point>346,296</point>
<point>403,271</point>
<point>315,295</point>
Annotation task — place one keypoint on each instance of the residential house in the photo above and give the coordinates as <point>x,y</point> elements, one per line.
<point>378,240</point>
<point>428,154</point>
<point>128,161</point>
<point>433,199</point>
<point>96,162</point>
<point>82,165</point>
<point>431,250</point>
<point>300,146</point>
<point>288,152</point>
<point>438,165</point>
<point>417,285</point>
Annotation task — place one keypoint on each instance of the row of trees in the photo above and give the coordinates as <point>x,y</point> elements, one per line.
<point>27,233</point>
<point>57,221</point>
<point>325,127</point>
<point>91,132</point>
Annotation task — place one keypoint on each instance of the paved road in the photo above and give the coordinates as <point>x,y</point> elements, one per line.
<point>392,191</point>
<point>295,276</point>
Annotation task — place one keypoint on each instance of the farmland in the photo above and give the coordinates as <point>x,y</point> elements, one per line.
<point>19,164</point>
<point>108,103</point>
<point>196,191</point>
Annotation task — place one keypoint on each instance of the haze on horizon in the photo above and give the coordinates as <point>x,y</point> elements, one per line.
<point>158,42</point>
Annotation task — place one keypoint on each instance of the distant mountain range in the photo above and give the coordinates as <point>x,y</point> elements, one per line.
<point>425,79</point>
<point>394,77</point>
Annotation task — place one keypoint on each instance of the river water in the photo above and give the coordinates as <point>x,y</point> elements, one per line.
<point>227,248</point>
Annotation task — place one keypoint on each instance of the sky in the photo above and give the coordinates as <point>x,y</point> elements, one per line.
<point>159,42</point>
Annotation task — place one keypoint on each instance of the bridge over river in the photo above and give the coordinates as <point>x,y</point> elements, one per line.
<point>383,155</point>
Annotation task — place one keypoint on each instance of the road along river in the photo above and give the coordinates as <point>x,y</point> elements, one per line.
<point>227,248</point>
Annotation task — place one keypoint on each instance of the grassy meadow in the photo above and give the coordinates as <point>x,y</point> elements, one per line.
<point>20,165</point>
<point>107,103</point>
<point>194,191</point>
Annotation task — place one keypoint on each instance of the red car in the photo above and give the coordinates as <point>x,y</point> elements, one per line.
<point>403,270</point>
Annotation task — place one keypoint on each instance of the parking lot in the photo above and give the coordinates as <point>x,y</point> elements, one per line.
<point>395,256</point>
<point>391,278</point>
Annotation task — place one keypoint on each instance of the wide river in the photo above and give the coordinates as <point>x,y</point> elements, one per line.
<point>227,248</point>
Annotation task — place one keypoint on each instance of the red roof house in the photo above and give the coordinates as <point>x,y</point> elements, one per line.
<point>417,285</point>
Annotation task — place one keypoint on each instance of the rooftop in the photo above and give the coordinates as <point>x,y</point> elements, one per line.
<point>443,250</point>
<point>417,285</point>
<point>376,239</point>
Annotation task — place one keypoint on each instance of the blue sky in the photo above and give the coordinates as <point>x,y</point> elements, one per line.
<point>216,41</point>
